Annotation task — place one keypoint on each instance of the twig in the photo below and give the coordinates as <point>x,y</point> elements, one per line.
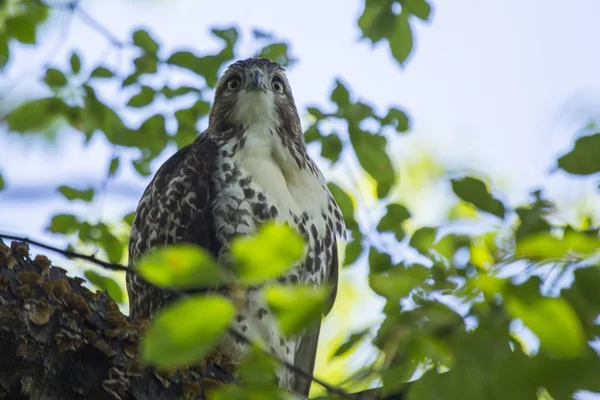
<point>232,331</point>
<point>68,253</point>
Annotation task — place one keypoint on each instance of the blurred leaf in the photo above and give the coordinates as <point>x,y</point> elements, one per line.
<point>396,118</point>
<point>35,114</point>
<point>392,220</point>
<point>397,283</point>
<point>114,166</point>
<point>180,91</point>
<point>377,20</point>
<point>331,147</point>
<point>181,266</point>
<point>144,97</point>
<point>423,239</point>
<point>105,283</point>
<point>185,331</point>
<point>76,194</point>
<point>378,261</point>
<point>351,342</point>
<point>543,246</point>
<point>563,337</point>
<point>142,39</point>
<point>345,204</point>
<point>533,217</point>
<point>259,34</point>
<point>277,52</point>
<point>63,223</point>
<point>340,95</point>
<point>145,64</point>
<point>584,159</point>
<point>269,254</point>
<point>353,249</point>
<point>75,62</point>
<point>128,218</point>
<point>296,307</point>
<point>374,159</point>
<point>55,78</point>
<point>474,191</point>
<point>2,183</point>
<point>111,244</point>
<point>401,41</point>
<point>419,8</point>
<point>102,72</point>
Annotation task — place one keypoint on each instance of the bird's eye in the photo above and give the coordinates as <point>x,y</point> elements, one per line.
<point>233,84</point>
<point>277,84</point>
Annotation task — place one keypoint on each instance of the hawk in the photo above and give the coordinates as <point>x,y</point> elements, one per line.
<point>248,167</point>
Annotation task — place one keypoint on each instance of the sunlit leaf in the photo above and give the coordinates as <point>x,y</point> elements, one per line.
<point>474,191</point>
<point>181,266</point>
<point>544,245</point>
<point>584,159</point>
<point>270,253</point>
<point>105,283</point>
<point>552,320</point>
<point>76,194</point>
<point>184,332</point>
<point>423,239</point>
<point>296,307</point>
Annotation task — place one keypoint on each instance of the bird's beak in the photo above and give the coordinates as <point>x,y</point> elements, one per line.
<point>256,81</point>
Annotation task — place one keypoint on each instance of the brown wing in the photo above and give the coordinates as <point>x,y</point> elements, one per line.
<point>174,208</point>
<point>307,349</point>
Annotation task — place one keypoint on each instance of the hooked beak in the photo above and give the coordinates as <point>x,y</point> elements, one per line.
<point>256,81</point>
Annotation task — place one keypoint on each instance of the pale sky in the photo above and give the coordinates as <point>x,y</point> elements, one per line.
<point>499,86</point>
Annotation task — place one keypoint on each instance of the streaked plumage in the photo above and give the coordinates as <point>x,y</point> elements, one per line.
<point>248,167</point>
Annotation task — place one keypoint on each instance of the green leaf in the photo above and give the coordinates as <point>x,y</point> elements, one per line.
<point>55,78</point>
<point>270,253</point>
<point>180,91</point>
<point>373,157</point>
<point>351,342</point>
<point>76,194</point>
<point>331,147</point>
<point>131,79</point>
<point>377,20</point>
<point>401,41</point>
<point>340,95</point>
<point>551,319</point>
<point>143,98</point>
<point>396,118</point>
<point>474,191</point>
<point>63,223</point>
<point>353,249</point>
<point>546,246</point>
<point>181,266</point>
<point>277,52</point>
<point>345,204</point>
<point>296,307</point>
<point>419,8</point>
<point>392,221</point>
<point>146,64</point>
<point>128,218</point>
<point>75,63</point>
<point>35,114</point>
<point>584,159</point>
<point>142,39</point>
<point>105,283</point>
<point>2,182</point>
<point>184,332</point>
<point>378,261</point>
<point>102,72</point>
<point>398,282</point>
<point>423,239</point>
<point>114,166</point>
<point>111,244</point>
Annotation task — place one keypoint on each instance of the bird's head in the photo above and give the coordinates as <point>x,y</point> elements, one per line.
<point>254,91</point>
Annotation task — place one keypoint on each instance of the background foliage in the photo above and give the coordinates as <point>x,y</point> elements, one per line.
<point>454,293</point>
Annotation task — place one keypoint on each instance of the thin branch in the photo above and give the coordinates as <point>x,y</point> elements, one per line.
<point>118,267</point>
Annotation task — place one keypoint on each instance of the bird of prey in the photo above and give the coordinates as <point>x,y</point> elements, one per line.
<point>248,167</point>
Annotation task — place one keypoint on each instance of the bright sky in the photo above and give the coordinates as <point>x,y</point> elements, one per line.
<point>500,86</point>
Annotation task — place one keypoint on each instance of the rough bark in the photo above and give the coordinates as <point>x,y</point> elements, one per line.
<point>58,340</point>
